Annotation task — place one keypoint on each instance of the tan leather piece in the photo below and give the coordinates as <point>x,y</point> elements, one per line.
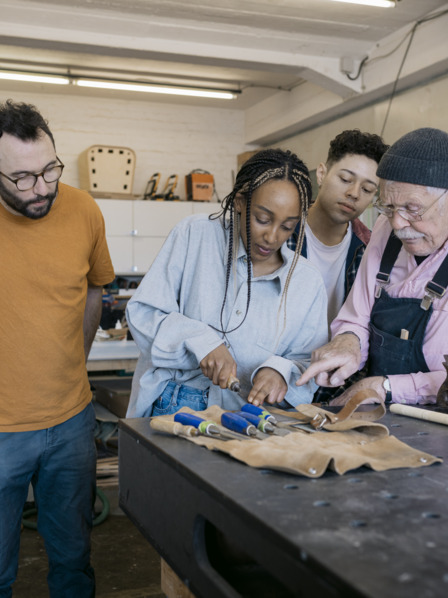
<point>343,445</point>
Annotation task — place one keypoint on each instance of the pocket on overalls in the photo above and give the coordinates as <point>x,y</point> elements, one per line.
<point>388,354</point>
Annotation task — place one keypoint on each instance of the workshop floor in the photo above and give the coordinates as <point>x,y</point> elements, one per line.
<point>126,566</point>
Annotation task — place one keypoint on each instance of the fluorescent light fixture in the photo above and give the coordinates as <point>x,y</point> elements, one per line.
<point>54,80</point>
<point>119,85</point>
<point>380,3</point>
<point>147,88</point>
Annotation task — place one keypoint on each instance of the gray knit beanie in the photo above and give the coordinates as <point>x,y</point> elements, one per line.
<point>419,157</point>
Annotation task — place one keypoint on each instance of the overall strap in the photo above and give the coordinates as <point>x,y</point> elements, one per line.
<point>437,286</point>
<point>388,259</point>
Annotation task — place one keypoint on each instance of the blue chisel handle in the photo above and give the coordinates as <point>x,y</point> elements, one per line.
<point>238,424</point>
<point>205,427</point>
<point>259,412</point>
<point>261,424</point>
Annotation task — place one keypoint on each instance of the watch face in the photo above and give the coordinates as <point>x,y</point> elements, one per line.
<point>386,384</point>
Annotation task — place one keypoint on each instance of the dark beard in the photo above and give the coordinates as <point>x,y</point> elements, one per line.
<point>25,207</point>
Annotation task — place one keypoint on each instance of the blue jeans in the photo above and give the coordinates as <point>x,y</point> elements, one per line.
<point>176,396</point>
<point>60,463</point>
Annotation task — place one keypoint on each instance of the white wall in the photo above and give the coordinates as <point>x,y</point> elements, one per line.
<point>173,139</point>
<point>169,139</point>
<point>420,107</point>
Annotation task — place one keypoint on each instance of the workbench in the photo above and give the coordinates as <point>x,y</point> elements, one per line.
<point>112,355</point>
<point>366,533</point>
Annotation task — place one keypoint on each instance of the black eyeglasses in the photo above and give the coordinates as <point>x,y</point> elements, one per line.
<point>27,182</point>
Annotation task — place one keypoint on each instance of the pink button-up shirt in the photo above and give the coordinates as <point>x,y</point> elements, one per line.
<point>407,280</point>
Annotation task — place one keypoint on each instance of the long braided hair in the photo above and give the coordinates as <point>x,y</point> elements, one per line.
<point>264,166</point>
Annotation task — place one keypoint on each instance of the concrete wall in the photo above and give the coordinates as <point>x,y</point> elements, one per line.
<point>170,139</point>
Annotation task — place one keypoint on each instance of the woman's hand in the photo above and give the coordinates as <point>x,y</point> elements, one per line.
<point>218,365</point>
<point>268,386</point>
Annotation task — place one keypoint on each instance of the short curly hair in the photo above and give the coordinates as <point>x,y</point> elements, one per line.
<point>353,141</point>
<point>23,121</point>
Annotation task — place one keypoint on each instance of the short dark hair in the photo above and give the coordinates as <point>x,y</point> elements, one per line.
<point>23,121</point>
<point>352,141</point>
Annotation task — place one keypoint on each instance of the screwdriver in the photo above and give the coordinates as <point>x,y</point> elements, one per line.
<point>261,424</point>
<point>208,428</point>
<point>259,412</point>
<point>238,424</point>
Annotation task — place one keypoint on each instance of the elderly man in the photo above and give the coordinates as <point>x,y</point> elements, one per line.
<point>395,319</point>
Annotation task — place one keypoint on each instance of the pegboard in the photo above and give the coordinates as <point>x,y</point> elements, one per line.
<point>107,170</point>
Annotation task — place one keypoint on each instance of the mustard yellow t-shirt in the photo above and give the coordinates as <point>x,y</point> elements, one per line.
<point>45,268</point>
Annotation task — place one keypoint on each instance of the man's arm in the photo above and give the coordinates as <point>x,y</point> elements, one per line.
<point>92,316</point>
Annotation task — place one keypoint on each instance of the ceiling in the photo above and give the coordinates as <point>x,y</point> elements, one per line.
<point>257,47</point>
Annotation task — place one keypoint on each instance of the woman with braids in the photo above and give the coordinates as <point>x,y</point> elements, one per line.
<point>226,297</point>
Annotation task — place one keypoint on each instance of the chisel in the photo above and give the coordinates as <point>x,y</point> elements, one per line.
<point>259,412</point>
<point>171,427</point>
<point>290,425</point>
<point>238,424</point>
<point>208,428</point>
<point>261,424</point>
<point>233,384</point>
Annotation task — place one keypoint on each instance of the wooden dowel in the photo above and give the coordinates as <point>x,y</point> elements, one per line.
<point>431,416</point>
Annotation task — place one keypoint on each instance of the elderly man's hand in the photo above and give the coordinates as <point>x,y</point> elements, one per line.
<point>333,363</point>
<point>374,383</point>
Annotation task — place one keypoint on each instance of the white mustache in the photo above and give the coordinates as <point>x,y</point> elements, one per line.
<point>407,233</point>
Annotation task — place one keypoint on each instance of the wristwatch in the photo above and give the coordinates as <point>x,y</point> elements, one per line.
<point>387,388</point>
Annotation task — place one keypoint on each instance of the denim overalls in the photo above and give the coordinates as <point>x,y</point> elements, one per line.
<point>389,352</point>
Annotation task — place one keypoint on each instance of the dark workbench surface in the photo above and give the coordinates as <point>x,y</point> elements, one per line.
<point>373,534</point>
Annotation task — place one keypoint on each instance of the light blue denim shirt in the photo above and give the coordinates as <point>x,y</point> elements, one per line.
<point>180,298</point>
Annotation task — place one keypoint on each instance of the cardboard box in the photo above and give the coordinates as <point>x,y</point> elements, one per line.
<point>113,394</point>
<point>199,186</point>
<point>244,157</point>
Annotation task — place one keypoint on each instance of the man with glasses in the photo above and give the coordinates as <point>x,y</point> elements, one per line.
<point>395,320</point>
<point>53,266</point>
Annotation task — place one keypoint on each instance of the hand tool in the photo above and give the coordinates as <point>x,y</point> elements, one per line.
<point>163,425</point>
<point>208,428</point>
<point>291,425</point>
<point>211,429</point>
<point>431,416</point>
<point>233,384</point>
<point>261,424</point>
<point>238,424</point>
<point>259,412</point>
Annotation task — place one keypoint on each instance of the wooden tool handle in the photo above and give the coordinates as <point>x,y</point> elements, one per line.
<point>431,416</point>
<point>172,427</point>
<point>233,383</point>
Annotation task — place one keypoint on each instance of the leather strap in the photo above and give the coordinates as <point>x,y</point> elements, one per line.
<point>319,418</point>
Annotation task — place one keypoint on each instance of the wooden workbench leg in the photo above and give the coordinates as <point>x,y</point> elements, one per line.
<point>172,585</point>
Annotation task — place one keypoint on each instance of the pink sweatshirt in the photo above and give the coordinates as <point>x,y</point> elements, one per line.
<point>407,280</point>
